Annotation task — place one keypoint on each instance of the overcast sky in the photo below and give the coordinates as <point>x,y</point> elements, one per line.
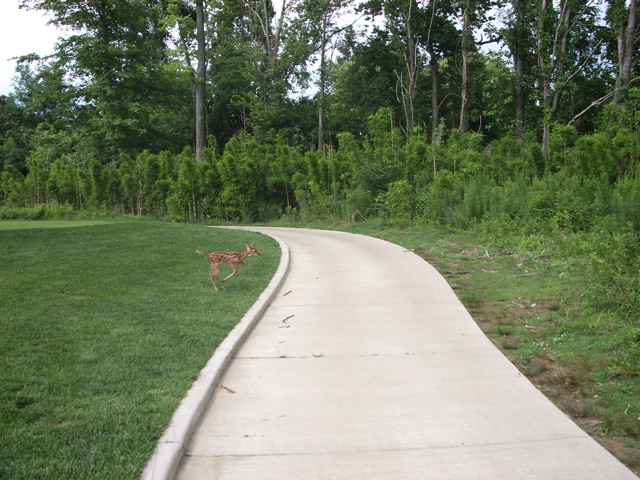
<point>21,32</point>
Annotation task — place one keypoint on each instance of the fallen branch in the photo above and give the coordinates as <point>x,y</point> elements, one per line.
<point>227,389</point>
<point>599,101</point>
<point>486,250</point>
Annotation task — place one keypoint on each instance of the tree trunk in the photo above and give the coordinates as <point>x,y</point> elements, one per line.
<point>323,48</point>
<point>518,61</point>
<point>435,104</point>
<point>200,107</point>
<point>412,70</point>
<point>464,93</point>
<point>410,56</point>
<point>565,24</point>
<point>626,39</point>
<point>544,67</point>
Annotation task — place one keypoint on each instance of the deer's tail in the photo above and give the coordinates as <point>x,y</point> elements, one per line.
<point>201,253</point>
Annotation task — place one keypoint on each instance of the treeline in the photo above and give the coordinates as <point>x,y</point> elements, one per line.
<point>156,75</point>
<point>459,182</point>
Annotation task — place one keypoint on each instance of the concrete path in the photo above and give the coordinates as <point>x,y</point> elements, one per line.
<point>366,366</point>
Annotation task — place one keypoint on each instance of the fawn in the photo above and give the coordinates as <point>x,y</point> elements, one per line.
<point>216,259</point>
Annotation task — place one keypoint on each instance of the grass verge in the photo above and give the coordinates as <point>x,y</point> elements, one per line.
<point>103,329</point>
<point>528,299</point>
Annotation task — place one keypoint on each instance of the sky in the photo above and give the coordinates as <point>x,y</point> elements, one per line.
<point>21,32</point>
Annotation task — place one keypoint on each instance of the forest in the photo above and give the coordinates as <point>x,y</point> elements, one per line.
<point>518,116</point>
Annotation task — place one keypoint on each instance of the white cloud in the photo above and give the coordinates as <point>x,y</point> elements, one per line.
<point>22,32</point>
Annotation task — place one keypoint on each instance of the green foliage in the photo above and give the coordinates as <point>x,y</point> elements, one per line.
<point>615,268</point>
<point>438,202</point>
<point>398,203</point>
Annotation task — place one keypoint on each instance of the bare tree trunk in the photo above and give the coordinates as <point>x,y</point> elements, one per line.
<point>410,56</point>
<point>626,40</point>
<point>630,38</point>
<point>464,105</point>
<point>413,71</point>
<point>321,118</point>
<point>565,23</point>
<point>544,67</point>
<point>518,60</point>
<point>200,107</point>
<point>435,105</point>
<point>323,48</point>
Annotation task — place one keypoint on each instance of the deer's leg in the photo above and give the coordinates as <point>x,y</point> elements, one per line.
<point>240,268</point>
<point>214,276</point>
<point>211,275</point>
<point>233,267</point>
<point>218,279</point>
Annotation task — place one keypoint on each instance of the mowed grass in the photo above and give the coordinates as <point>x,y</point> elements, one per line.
<point>29,224</point>
<point>103,329</point>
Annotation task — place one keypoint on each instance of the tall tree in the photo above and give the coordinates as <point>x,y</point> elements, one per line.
<point>472,16</point>
<point>466,41</point>
<point>624,20</point>
<point>363,81</point>
<point>328,11</point>
<point>401,20</point>
<point>277,45</point>
<point>115,57</point>
<point>517,36</point>
<point>201,83</point>
<point>561,52</point>
<point>421,31</point>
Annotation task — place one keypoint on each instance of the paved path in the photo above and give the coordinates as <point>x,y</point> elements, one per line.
<point>366,366</point>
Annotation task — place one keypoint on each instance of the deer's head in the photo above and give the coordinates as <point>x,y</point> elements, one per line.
<point>251,250</point>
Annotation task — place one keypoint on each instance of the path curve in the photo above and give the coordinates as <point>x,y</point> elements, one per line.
<point>366,366</point>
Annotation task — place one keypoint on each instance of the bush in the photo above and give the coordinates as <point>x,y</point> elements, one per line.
<point>398,203</point>
<point>614,283</point>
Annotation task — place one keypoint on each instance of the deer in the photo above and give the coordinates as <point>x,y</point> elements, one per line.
<point>233,259</point>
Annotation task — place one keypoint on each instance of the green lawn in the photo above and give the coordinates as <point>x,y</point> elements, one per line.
<point>103,328</point>
<point>29,224</point>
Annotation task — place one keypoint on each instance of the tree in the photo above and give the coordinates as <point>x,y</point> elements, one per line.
<point>516,33</point>
<point>363,81</point>
<point>472,14</point>
<point>278,47</point>
<point>201,79</point>
<point>420,31</point>
<point>329,10</point>
<point>115,59</point>
<point>561,54</point>
<point>401,22</point>
<point>439,36</point>
<point>16,127</point>
<point>624,22</point>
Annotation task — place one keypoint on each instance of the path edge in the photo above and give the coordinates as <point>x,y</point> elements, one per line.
<point>166,458</point>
